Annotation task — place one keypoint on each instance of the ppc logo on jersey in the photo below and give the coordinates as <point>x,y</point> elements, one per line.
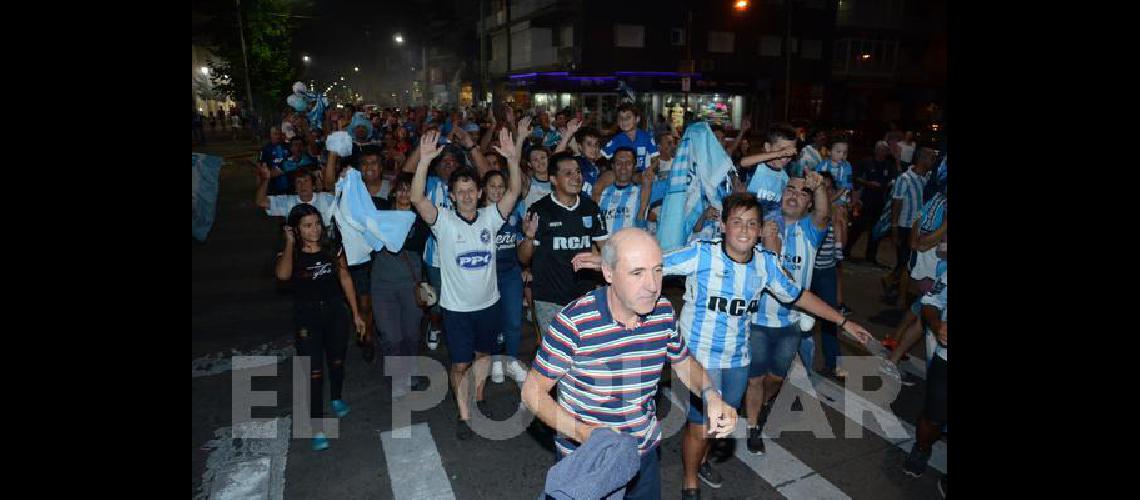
<point>587,222</point>
<point>473,260</point>
<point>485,236</point>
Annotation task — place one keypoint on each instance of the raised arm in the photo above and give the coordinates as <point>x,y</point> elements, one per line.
<point>748,161</point>
<point>526,246</point>
<point>744,127</point>
<point>507,148</point>
<point>821,211</point>
<point>571,129</point>
<point>284,267</point>
<point>429,149</point>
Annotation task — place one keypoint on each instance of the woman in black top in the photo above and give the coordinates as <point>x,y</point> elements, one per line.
<point>318,272</point>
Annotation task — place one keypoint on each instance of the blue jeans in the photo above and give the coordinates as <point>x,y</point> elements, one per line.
<point>646,484</point>
<point>433,275</point>
<point>825,285</point>
<point>510,303</point>
<point>773,349</point>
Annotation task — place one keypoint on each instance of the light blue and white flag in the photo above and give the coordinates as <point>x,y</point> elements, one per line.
<point>362,227</point>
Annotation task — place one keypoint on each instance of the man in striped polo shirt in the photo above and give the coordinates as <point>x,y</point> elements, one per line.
<point>905,206</point>
<point>606,351</point>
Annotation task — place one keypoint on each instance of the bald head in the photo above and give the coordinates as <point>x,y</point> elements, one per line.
<point>631,239</point>
<point>631,263</point>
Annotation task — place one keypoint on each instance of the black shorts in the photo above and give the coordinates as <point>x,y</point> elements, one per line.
<point>935,410</point>
<point>361,278</point>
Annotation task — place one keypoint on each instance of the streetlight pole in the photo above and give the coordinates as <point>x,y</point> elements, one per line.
<point>245,62</point>
<point>787,57</point>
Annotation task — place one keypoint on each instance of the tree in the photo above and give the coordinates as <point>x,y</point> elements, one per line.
<point>268,33</point>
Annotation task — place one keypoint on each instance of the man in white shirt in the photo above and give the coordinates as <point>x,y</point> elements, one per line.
<point>469,293</point>
<point>280,205</point>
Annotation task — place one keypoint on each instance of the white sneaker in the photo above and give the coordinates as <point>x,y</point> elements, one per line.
<point>517,371</point>
<point>433,339</point>
<point>889,369</point>
<point>497,372</point>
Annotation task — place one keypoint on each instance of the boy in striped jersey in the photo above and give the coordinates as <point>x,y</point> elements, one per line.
<point>606,351</point>
<point>776,333</point>
<point>905,206</point>
<point>622,202</point>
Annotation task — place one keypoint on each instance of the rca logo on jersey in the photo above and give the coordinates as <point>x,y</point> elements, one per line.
<point>736,307</point>
<point>474,260</point>
<point>571,243</point>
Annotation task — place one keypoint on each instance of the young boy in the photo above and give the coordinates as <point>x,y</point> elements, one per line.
<point>629,118</point>
<point>769,179</point>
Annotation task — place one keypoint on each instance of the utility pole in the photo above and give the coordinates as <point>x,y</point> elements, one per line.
<point>245,62</point>
<point>787,57</point>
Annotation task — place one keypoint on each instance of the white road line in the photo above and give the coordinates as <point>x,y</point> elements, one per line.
<point>835,397</point>
<point>246,468</point>
<point>213,364</point>
<point>778,467</point>
<point>414,466</point>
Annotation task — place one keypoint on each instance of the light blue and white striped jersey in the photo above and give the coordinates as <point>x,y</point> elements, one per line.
<point>801,240</point>
<point>619,207</point>
<point>840,172</point>
<point>908,192</point>
<point>437,192</point>
<point>769,186</point>
<point>720,297</point>
<point>937,297</point>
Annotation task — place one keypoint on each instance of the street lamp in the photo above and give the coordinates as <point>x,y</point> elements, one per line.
<point>306,59</point>
<point>205,70</point>
<point>354,68</point>
<point>399,39</point>
<point>342,78</point>
<point>741,4</point>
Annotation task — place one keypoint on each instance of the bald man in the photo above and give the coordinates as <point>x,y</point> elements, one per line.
<point>630,326</point>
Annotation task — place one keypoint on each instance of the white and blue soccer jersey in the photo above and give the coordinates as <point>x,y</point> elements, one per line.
<point>937,297</point>
<point>840,173</point>
<point>801,240</point>
<point>720,297</point>
<point>768,184</point>
<point>644,147</point>
<point>908,193</point>
<point>809,158</point>
<point>619,207</point>
<point>437,192</point>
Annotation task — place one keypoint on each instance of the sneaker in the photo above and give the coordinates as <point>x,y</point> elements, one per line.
<point>890,370</point>
<point>691,494</point>
<point>340,407</point>
<point>755,441</point>
<point>433,339</point>
<point>942,486</point>
<point>517,371</point>
<point>915,463</point>
<point>463,431</point>
<point>709,475</point>
<point>722,449</point>
<point>320,442</point>
<point>497,372</point>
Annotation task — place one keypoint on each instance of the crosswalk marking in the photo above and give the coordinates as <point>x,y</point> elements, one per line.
<point>246,468</point>
<point>414,466</point>
<point>778,467</point>
<point>833,396</point>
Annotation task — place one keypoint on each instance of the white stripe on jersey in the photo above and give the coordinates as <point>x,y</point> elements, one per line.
<point>619,206</point>
<point>798,258</point>
<point>720,297</point>
<point>908,187</point>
